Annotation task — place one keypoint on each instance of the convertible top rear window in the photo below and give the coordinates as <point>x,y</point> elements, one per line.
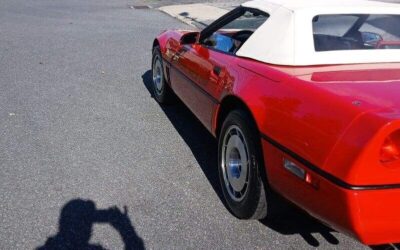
<point>356,32</point>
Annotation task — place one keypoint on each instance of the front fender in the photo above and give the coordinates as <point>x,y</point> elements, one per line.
<point>169,42</point>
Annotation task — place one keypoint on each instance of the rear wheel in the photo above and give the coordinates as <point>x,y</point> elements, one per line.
<point>161,90</point>
<point>240,162</point>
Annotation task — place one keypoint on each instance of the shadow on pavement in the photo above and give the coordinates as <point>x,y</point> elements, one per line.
<point>387,247</point>
<point>204,148</point>
<point>287,219</point>
<point>76,224</point>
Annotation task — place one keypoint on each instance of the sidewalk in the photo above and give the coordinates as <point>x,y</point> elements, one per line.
<point>198,15</point>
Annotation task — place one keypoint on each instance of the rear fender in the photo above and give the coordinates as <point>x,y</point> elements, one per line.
<point>355,158</point>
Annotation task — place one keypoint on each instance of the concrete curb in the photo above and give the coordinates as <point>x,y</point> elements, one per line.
<point>197,15</point>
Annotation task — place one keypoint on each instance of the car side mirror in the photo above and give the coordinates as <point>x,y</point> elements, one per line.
<point>190,38</point>
<point>371,39</point>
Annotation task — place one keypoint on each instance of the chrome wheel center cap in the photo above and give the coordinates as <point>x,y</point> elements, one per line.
<point>235,164</point>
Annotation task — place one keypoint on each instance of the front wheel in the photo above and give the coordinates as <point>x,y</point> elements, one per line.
<point>161,90</point>
<point>240,161</point>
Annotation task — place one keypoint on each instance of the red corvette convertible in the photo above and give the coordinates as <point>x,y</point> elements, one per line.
<point>304,100</point>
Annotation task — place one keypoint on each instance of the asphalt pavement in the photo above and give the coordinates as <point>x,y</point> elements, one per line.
<point>159,3</point>
<point>88,157</point>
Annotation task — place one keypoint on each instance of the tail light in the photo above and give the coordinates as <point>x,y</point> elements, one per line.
<point>390,150</point>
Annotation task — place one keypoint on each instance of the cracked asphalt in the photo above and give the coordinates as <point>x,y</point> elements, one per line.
<point>80,134</point>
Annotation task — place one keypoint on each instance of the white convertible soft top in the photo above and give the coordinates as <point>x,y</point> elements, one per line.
<point>286,38</point>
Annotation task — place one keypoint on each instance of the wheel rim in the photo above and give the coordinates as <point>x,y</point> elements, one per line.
<point>158,79</point>
<point>235,163</point>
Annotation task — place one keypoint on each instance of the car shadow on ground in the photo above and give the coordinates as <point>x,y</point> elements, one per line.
<point>204,148</point>
<point>386,247</point>
<point>76,222</point>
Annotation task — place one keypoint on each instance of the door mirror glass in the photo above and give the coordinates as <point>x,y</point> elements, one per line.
<point>190,38</point>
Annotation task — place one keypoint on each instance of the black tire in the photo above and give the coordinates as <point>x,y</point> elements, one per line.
<point>161,90</point>
<point>252,204</point>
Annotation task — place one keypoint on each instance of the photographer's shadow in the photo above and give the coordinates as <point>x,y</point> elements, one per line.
<point>76,224</point>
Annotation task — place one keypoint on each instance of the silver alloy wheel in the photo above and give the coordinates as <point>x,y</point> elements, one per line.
<point>235,163</point>
<point>158,77</point>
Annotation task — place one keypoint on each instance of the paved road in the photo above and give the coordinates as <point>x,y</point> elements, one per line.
<point>80,134</point>
<point>158,3</point>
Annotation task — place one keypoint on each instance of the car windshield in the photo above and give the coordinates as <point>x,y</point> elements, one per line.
<point>231,36</point>
<point>356,32</point>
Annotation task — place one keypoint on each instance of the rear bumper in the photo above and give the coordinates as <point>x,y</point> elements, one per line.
<point>377,218</point>
<point>370,215</point>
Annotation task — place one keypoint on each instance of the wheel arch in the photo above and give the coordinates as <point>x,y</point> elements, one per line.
<point>228,104</point>
<point>155,43</point>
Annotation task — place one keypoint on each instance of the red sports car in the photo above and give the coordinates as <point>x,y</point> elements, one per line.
<point>303,102</point>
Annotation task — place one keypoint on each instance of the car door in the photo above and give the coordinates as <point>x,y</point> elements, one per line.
<point>200,70</point>
<point>196,79</point>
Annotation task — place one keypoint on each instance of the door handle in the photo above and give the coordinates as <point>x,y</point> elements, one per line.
<point>217,70</point>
